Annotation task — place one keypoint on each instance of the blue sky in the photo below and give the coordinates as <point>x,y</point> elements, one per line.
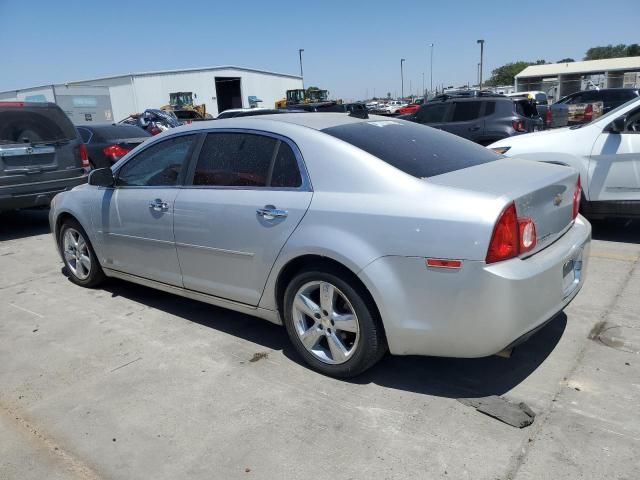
<point>351,47</point>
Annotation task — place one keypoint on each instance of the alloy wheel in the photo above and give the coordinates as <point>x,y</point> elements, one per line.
<point>76,253</point>
<point>326,322</point>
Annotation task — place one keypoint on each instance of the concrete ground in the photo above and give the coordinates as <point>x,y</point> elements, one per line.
<point>128,383</point>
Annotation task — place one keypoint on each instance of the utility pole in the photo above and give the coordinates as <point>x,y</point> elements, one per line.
<point>423,92</point>
<point>481,42</point>
<point>401,78</point>
<point>300,50</point>
<point>431,66</point>
<point>478,75</point>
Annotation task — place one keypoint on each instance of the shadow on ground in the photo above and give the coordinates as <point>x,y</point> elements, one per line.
<point>23,223</point>
<point>618,230</point>
<point>443,377</point>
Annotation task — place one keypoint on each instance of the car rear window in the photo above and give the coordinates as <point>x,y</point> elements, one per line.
<point>415,149</point>
<point>35,123</point>
<point>117,132</point>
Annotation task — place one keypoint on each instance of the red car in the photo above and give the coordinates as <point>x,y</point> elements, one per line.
<point>411,108</point>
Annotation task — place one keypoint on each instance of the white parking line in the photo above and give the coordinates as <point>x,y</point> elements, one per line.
<point>26,310</point>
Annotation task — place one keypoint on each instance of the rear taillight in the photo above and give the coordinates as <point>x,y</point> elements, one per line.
<point>577,195</point>
<point>518,125</point>
<point>11,104</point>
<point>548,117</point>
<point>512,236</point>
<point>84,156</point>
<point>588,113</point>
<point>115,152</point>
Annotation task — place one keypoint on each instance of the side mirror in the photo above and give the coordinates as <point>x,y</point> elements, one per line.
<point>102,177</point>
<point>617,126</point>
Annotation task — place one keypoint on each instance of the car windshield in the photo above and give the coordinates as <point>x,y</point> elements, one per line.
<point>33,124</point>
<point>610,115</point>
<point>415,149</point>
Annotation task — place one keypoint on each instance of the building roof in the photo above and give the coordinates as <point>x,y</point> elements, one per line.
<point>588,66</point>
<point>158,72</point>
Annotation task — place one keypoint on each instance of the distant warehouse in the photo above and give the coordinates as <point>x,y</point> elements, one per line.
<point>561,79</point>
<point>113,98</point>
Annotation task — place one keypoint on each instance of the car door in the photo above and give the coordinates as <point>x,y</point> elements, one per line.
<point>465,120</point>
<point>247,193</point>
<point>614,165</point>
<point>433,114</point>
<point>136,216</point>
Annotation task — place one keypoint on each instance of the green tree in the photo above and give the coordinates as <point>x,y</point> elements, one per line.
<point>566,60</point>
<point>613,51</point>
<point>388,94</point>
<point>504,75</point>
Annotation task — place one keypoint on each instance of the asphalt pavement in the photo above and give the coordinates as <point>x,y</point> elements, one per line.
<point>125,382</point>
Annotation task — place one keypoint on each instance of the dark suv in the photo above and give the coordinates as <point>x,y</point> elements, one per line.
<point>482,119</point>
<point>41,154</point>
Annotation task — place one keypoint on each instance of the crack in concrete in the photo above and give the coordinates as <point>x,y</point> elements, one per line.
<point>519,459</point>
<point>74,466</point>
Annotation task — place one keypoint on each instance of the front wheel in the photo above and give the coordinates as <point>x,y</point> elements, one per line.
<point>80,261</point>
<point>332,324</point>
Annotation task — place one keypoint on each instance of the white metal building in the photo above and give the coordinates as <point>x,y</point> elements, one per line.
<point>565,78</point>
<point>220,88</point>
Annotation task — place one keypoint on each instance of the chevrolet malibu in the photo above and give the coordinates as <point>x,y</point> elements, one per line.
<point>361,236</point>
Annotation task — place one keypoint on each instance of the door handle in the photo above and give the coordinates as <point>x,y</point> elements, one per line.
<point>270,212</point>
<point>474,129</point>
<point>158,205</point>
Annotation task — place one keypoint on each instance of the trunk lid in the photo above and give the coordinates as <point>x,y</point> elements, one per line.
<point>541,191</point>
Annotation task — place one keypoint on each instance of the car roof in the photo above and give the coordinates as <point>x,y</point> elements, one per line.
<point>316,121</point>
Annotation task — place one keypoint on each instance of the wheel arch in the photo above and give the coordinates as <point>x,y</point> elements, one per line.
<point>324,263</point>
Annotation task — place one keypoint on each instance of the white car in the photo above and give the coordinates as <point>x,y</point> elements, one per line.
<point>606,153</point>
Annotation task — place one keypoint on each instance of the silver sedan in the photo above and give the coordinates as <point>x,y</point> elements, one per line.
<point>361,236</point>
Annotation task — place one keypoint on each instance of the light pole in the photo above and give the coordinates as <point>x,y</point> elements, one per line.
<point>478,74</point>
<point>431,66</point>
<point>401,78</point>
<point>481,42</point>
<point>423,84</point>
<point>300,50</point>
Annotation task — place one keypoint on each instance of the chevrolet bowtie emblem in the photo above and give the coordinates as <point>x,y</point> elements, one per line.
<point>557,200</point>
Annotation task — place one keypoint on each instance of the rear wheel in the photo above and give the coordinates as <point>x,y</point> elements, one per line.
<point>80,261</point>
<point>332,324</point>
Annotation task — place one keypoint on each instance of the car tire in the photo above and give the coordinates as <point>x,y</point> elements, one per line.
<point>359,340</point>
<point>79,259</point>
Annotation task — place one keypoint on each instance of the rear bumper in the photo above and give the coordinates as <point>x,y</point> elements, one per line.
<point>479,309</point>
<point>36,194</point>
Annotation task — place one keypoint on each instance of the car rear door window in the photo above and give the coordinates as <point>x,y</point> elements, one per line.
<point>541,99</point>
<point>286,173</point>
<point>466,111</point>
<point>160,165</point>
<point>235,160</point>
<point>489,108</point>
<point>85,134</point>
<point>432,113</point>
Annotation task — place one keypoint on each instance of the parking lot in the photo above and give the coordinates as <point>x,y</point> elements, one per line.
<point>127,382</point>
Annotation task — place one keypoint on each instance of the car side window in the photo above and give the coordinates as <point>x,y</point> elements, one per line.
<point>632,122</point>
<point>159,165</point>
<point>85,134</point>
<point>434,113</point>
<point>466,111</point>
<point>286,173</point>
<point>489,108</point>
<point>235,160</point>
